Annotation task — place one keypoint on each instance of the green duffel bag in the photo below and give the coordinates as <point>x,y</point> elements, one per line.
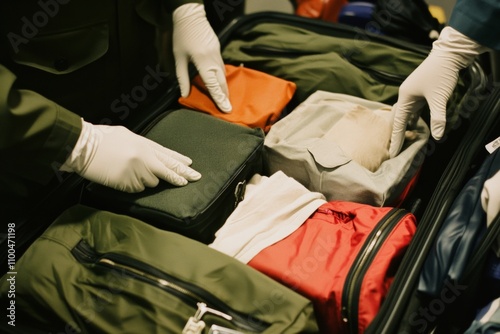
<point>95,271</point>
<point>328,57</point>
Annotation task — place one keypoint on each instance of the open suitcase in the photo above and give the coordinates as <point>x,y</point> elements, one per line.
<point>447,165</point>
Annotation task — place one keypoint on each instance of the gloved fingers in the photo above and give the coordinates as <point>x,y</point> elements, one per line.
<point>182,73</point>
<point>128,184</point>
<point>398,130</point>
<point>174,172</point>
<point>174,154</point>
<point>438,125</point>
<point>139,185</point>
<point>437,106</point>
<point>490,197</point>
<point>216,84</point>
<point>406,110</point>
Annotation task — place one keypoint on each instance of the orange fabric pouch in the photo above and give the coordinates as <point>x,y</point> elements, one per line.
<point>258,98</point>
<point>326,10</point>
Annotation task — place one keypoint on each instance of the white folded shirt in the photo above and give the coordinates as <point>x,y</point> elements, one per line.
<point>273,208</point>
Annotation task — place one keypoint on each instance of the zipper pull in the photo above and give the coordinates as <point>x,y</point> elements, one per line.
<point>239,192</point>
<point>195,325</point>
<point>343,314</point>
<point>216,329</point>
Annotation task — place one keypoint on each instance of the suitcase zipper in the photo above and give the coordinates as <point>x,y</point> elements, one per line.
<point>187,292</point>
<point>354,279</point>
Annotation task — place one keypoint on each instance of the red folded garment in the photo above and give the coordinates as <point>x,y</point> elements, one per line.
<point>343,258</point>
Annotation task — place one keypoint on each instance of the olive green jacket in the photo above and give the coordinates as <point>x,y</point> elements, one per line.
<point>62,59</point>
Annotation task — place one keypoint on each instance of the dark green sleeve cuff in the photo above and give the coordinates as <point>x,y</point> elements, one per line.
<point>172,5</point>
<point>478,20</point>
<point>64,134</point>
<point>37,135</point>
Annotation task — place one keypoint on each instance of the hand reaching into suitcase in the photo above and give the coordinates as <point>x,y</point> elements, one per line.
<point>194,40</point>
<point>490,200</point>
<point>432,82</point>
<point>118,158</point>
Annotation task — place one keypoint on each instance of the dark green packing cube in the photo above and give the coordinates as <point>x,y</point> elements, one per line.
<point>226,155</point>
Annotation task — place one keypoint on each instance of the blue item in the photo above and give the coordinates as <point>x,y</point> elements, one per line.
<point>464,226</point>
<point>359,14</point>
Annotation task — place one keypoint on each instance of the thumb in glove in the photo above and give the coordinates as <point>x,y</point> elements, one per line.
<point>490,201</point>
<point>194,40</point>
<point>490,197</point>
<point>118,158</point>
<point>432,82</point>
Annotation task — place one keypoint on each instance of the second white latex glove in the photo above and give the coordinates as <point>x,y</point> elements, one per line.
<point>490,197</point>
<point>118,158</point>
<point>195,41</point>
<point>432,82</point>
<point>490,201</point>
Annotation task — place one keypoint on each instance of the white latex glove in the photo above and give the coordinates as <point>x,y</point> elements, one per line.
<point>118,158</point>
<point>195,40</point>
<point>490,197</point>
<point>432,82</point>
<point>490,201</point>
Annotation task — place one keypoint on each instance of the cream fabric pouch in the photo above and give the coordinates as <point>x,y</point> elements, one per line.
<point>338,144</point>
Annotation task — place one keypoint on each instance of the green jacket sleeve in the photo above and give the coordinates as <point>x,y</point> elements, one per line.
<point>36,134</point>
<point>174,4</point>
<point>478,20</point>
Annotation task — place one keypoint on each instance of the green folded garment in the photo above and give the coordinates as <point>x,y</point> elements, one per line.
<point>93,271</point>
<point>357,65</point>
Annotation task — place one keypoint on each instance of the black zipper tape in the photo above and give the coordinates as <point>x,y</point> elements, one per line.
<point>373,243</point>
<point>187,292</point>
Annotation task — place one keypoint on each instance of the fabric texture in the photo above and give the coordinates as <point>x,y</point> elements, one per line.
<point>328,151</point>
<point>258,99</point>
<point>487,320</point>
<point>110,54</point>
<point>314,61</point>
<point>478,20</point>
<point>463,228</point>
<point>62,60</point>
<point>99,272</point>
<point>327,10</point>
<point>35,154</point>
<point>319,258</point>
<point>225,154</point>
<point>273,208</point>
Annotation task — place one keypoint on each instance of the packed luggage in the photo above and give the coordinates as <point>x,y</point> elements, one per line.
<point>302,221</point>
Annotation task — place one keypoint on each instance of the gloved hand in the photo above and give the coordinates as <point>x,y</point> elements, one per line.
<point>433,81</point>
<point>490,197</point>
<point>490,201</point>
<point>118,158</point>
<point>194,40</point>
